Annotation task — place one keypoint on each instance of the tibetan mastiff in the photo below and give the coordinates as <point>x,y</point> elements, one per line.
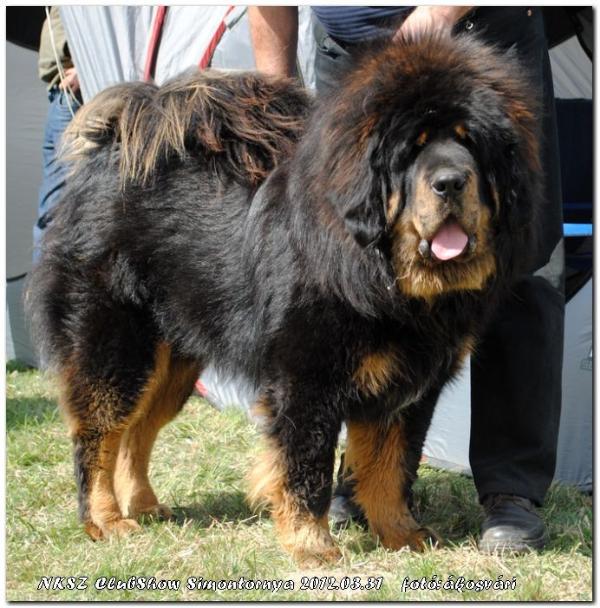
<point>343,255</point>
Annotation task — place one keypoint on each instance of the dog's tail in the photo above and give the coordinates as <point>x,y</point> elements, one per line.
<point>242,124</point>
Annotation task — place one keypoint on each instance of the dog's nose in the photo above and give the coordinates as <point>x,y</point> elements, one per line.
<point>448,183</point>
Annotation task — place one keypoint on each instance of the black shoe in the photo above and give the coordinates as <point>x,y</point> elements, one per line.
<point>343,510</point>
<point>511,524</point>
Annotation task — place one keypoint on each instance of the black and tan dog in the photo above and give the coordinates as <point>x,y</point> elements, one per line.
<point>344,257</point>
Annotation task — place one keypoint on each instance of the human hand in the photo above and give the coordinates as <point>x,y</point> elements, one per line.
<point>70,81</point>
<point>431,19</point>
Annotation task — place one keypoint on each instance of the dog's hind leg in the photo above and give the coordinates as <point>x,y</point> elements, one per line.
<point>107,392</point>
<point>97,417</point>
<point>172,385</point>
<point>95,456</point>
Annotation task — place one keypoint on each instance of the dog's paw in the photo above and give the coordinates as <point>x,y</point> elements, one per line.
<point>121,527</point>
<point>416,539</point>
<point>157,511</point>
<point>117,528</point>
<point>93,531</point>
<point>311,545</point>
<point>317,557</point>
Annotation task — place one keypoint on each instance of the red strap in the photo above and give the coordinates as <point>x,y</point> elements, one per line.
<point>152,53</point>
<point>214,41</point>
<point>202,390</point>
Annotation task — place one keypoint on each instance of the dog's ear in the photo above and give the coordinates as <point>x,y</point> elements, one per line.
<point>362,201</point>
<point>364,210</point>
<point>517,185</point>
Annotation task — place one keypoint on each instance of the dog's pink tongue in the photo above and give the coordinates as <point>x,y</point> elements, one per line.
<point>449,241</point>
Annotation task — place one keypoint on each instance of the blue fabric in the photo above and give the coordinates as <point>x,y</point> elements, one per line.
<point>352,24</point>
<point>578,229</point>
<point>53,172</point>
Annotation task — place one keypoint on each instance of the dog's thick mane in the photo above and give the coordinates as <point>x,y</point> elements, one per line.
<point>360,141</point>
<point>242,124</point>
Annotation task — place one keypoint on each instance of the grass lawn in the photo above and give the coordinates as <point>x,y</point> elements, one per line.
<point>198,467</point>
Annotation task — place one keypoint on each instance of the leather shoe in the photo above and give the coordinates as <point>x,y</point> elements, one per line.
<point>511,524</point>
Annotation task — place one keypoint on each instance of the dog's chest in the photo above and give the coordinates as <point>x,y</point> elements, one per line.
<point>404,369</point>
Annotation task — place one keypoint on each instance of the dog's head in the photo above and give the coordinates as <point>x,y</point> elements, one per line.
<point>441,217</point>
<point>430,157</point>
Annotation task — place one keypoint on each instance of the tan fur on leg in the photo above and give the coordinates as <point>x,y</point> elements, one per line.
<point>169,386</point>
<point>105,514</point>
<point>133,489</point>
<point>304,536</point>
<point>375,457</point>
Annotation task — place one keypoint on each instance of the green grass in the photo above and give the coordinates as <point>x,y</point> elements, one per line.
<point>198,467</point>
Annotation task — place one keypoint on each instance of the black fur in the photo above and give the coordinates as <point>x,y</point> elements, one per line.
<point>292,281</point>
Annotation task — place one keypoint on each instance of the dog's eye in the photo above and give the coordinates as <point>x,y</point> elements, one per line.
<point>461,130</point>
<point>422,139</point>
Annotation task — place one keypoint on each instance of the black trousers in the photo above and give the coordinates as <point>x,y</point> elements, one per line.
<point>516,374</point>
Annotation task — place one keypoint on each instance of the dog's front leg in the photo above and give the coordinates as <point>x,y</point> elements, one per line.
<point>294,474</point>
<point>381,461</point>
<point>375,463</point>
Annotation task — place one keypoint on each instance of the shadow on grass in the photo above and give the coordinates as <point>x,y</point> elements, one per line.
<point>17,366</point>
<point>24,411</point>
<point>218,507</point>
<point>568,514</point>
<point>447,503</point>
<point>444,501</point>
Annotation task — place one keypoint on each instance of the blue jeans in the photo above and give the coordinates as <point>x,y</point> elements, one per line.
<point>53,171</point>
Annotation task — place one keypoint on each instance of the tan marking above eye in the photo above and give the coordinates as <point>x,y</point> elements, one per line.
<point>461,130</point>
<point>392,206</point>
<point>496,199</point>
<point>422,139</point>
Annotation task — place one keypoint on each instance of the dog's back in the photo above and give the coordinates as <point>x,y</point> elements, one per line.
<point>129,150</point>
<point>158,177</point>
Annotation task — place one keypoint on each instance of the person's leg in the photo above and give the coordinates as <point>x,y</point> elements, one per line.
<point>516,394</point>
<point>516,372</point>
<point>53,171</point>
